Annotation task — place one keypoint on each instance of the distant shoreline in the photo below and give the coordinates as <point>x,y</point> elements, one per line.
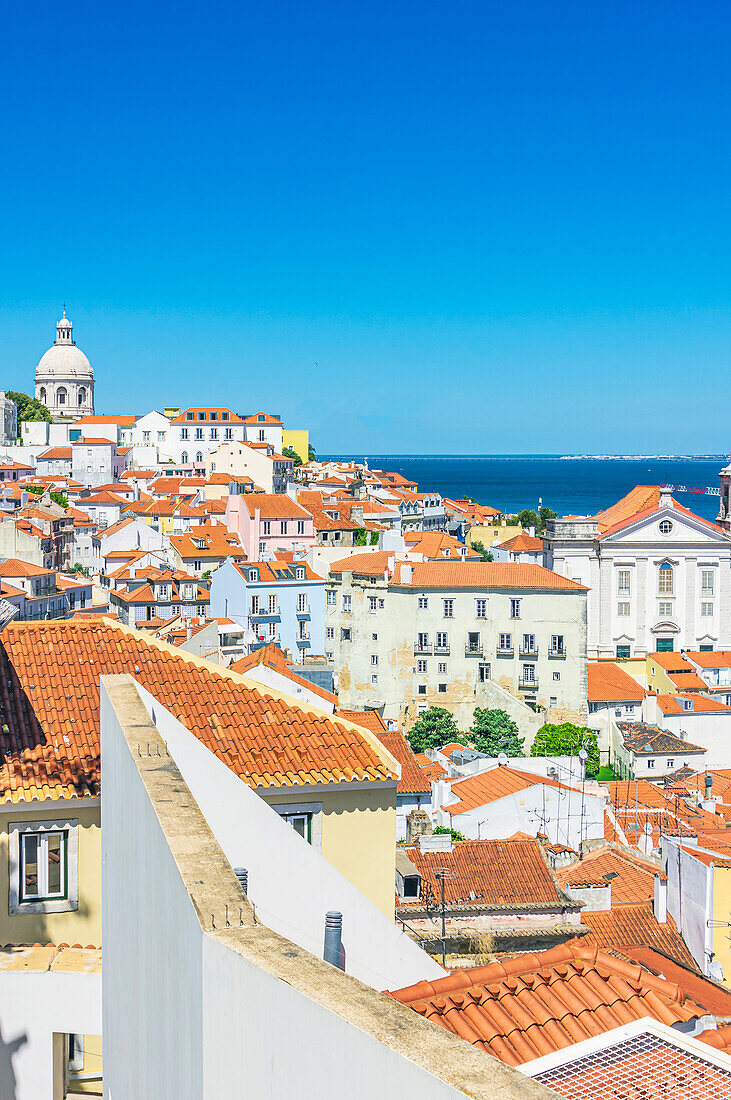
<point>508,458</point>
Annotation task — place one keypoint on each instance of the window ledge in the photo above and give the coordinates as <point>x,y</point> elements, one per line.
<point>61,905</point>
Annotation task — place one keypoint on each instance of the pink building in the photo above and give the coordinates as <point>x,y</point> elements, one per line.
<point>267,523</point>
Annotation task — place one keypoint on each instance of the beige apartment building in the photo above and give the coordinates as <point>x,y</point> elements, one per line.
<point>409,635</point>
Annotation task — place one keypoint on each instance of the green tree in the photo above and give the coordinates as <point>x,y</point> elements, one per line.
<point>374,538</point>
<point>29,408</point>
<point>361,537</point>
<point>435,727</point>
<point>55,495</point>
<point>544,515</point>
<point>480,548</point>
<point>567,739</point>
<point>528,517</point>
<point>311,453</point>
<point>494,731</point>
<point>289,452</point>
<point>442,830</point>
<point>79,568</point>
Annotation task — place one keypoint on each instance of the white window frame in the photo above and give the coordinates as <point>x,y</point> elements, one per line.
<point>623,609</point>
<point>422,603</point>
<point>624,582</point>
<point>707,609</point>
<point>68,904</point>
<point>481,608</point>
<point>664,573</point>
<point>665,609</point>
<point>515,609</point>
<point>708,585</point>
<point>448,607</point>
<point>313,810</point>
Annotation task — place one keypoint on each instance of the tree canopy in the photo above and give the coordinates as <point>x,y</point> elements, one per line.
<point>434,728</point>
<point>567,739</point>
<point>29,408</point>
<point>494,731</point>
<point>528,517</point>
<point>289,452</point>
<point>480,548</point>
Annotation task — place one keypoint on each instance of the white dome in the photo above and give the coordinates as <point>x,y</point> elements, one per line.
<point>64,361</point>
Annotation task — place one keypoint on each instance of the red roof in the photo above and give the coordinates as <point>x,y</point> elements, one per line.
<point>610,683</point>
<point>413,780</point>
<point>636,926</point>
<point>273,657</point>
<point>487,574</point>
<point>632,879</point>
<point>202,415</point>
<point>523,1008</point>
<point>49,741</point>
<point>262,418</point>
<point>489,786</point>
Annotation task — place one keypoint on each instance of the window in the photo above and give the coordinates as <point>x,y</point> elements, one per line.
<point>505,643</point>
<point>442,667</point>
<point>707,580</point>
<point>183,433</point>
<point>529,674</point>
<point>473,642</point>
<point>374,637</point>
<point>515,609</point>
<point>381,604</point>
<point>421,708</point>
<point>554,701</point>
<point>224,416</point>
<point>372,604</point>
<point>43,866</point>
<point>651,763</point>
<point>229,433</point>
<point>623,609</point>
<point>665,580</point>
<point>214,416</point>
<point>299,573</point>
<point>623,582</point>
<point>557,675</point>
<point>442,688</point>
<point>300,527</point>
<point>664,645</point>
<point>161,437</point>
<point>422,641</point>
<point>199,433</point>
<point>557,645</point>
<point>448,608</point>
<point>423,603</point>
<point>332,597</point>
<point>214,433</point>
<point>345,634</point>
<point>483,671</point>
<point>201,416</point>
<point>283,527</point>
<point>529,643</point>
<point>623,652</point>
<point>190,416</point>
<point>262,547</point>
<point>145,437</point>
<point>184,458</point>
<point>666,527</point>
<point>374,659</point>
<point>671,763</point>
<point>329,632</point>
<point>254,605</point>
<point>61,396</point>
<point>665,609</point>
<point>374,677</point>
<point>302,602</point>
<point>199,457</point>
<point>421,689</point>
<point>706,609</point>
<point>442,639</point>
<point>301,823</point>
<point>480,609</point>
<point>421,667</point>
<point>272,604</point>
<point>347,602</point>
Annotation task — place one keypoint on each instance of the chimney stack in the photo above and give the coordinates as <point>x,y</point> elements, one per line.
<point>660,903</point>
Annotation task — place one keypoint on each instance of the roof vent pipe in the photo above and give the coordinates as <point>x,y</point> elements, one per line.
<point>242,875</point>
<point>333,950</point>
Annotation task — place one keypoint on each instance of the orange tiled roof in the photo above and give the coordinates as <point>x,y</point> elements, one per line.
<point>487,574</point>
<point>367,719</point>
<point>632,879</point>
<point>233,418</point>
<point>636,926</point>
<point>492,874</point>
<point>273,506</point>
<point>262,418</point>
<point>522,1008</point>
<point>522,544</point>
<point>687,681</point>
<point>368,565</point>
<point>56,452</point>
<point>219,543</point>
<point>670,704</point>
<point>639,499</point>
<point>122,421</point>
<point>489,786</point>
<point>14,567</point>
<point>273,657</point>
<point>413,780</point>
<point>94,441</point>
<point>49,710</point>
<point>720,658</point>
<point>280,569</point>
<point>610,683</point>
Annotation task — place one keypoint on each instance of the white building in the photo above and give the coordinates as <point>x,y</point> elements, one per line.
<point>198,431</point>
<point>64,378</point>
<point>408,635</point>
<point>262,427</point>
<point>659,577</point>
<point>8,421</point>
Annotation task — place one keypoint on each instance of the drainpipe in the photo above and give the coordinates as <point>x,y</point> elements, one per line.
<point>333,949</point>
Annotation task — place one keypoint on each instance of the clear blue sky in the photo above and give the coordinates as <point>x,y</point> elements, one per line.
<point>412,227</point>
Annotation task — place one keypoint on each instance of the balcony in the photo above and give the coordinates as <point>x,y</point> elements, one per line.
<point>529,653</point>
<point>557,651</point>
<point>303,616</point>
<point>264,617</point>
<point>502,651</point>
<point>425,650</point>
<point>441,650</point>
<point>261,642</point>
<point>303,640</point>
<point>528,685</point>
<point>475,650</point>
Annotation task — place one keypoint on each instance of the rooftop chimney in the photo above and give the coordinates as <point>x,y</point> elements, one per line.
<point>660,903</point>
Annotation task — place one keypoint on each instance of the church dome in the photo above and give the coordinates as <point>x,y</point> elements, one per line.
<point>64,360</point>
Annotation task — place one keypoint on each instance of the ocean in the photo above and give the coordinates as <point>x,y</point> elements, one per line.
<point>578,486</point>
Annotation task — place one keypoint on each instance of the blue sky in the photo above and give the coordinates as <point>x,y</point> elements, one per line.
<point>412,227</point>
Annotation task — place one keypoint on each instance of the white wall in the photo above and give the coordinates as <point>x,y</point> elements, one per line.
<point>712,731</point>
<point>291,884</point>
<point>32,1006</point>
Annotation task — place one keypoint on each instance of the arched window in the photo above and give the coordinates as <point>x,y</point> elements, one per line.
<point>61,396</point>
<point>199,457</point>
<point>82,395</point>
<point>665,579</point>
<point>184,458</point>
<point>42,394</point>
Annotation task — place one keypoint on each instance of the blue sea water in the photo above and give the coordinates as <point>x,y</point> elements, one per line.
<point>578,486</point>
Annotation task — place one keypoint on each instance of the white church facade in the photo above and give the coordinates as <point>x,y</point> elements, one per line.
<point>64,377</point>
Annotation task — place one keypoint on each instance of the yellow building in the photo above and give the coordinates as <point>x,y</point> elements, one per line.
<point>299,440</point>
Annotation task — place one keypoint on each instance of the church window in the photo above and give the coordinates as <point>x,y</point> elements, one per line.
<point>61,396</point>
<point>184,458</point>
<point>665,579</point>
<point>43,393</point>
<point>199,457</point>
<point>82,395</point>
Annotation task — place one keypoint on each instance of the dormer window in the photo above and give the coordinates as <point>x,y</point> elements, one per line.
<point>224,416</point>
<point>214,416</point>
<point>299,573</point>
<point>201,416</point>
<point>687,704</point>
<point>253,574</point>
<point>190,416</point>
<point>261,416</point>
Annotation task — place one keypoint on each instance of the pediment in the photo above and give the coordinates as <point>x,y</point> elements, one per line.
<point>665,627</point>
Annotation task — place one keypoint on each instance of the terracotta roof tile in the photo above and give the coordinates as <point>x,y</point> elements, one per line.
<point>610,683</point>
<point>413,780</point>
<point>489,574</point>
<point>632,879</point>
<point>489,786</point>
<point>522,1008</point>
<point>49,714</point>
<point>275,658</point>
<point>636,926</point>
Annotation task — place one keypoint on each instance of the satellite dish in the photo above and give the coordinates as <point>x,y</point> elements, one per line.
<point>715,971</point>
<point>502,759</point>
